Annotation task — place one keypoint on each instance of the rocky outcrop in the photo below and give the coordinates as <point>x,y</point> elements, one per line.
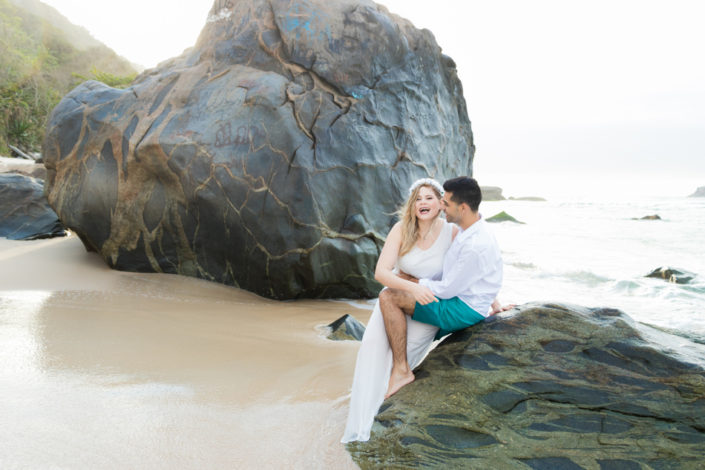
<point>346,327</point>
<point>677,276</point>
<point>548,387</point>
<point>491,193</point>
<point>503,217</point>
<point>24,211</point>
<point>269,156</point>
<point>700,192</point>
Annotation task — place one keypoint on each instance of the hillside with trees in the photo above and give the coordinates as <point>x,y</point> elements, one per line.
<point>42,57</point>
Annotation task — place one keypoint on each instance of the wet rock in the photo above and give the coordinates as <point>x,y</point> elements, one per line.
<point>503,217</point>
<point>346,328</point>
<point>677,276</point>
<point>649,217</point>
<point>491,193</point>
<point>24,211</point>
<point>270,156</point>
<point>547,386</point>
<point>700,192</point>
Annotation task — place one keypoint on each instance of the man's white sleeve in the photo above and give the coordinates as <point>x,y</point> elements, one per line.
<point>467,269</point>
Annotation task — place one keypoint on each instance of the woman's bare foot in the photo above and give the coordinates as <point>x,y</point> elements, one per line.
<point>397,380</point>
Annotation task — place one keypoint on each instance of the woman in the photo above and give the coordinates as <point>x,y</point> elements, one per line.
<point>416,246</point>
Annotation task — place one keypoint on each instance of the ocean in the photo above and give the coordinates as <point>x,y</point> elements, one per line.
<point>587,245</point>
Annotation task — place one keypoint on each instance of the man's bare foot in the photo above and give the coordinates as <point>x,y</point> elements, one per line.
<point>397,380</point>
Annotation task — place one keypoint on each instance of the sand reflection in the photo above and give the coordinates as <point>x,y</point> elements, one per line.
<point>104,369</point>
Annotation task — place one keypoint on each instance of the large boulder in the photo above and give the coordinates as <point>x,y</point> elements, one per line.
<point>270,156</point>
<point>548,387</point>
<point>24,211</point>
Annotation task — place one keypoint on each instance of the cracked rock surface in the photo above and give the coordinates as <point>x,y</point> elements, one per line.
<point>269,156</point>
<point>548,386</point>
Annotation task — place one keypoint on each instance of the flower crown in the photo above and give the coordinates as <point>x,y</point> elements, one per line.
<point>426,181</point>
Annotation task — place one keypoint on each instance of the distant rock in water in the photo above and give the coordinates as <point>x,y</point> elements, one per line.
<point>548,387</point>
<point>503,217</point>
<point>491,193</point>
<point>672,275</point>
<point>649,217</point>
<point>528,198</point>
<point>346,327</point>
<point>700,192</point>
<point>269,156</point>
<point>24,211</point>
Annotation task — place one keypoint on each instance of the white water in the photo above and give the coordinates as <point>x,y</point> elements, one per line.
<point>582,246</point>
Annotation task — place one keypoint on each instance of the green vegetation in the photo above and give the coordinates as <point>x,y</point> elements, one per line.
<point>38,66</point>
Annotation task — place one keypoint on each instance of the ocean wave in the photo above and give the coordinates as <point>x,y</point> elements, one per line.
<point>583,277</point>
<point>525,266</point>
<point>656,288</point>
<point>629,286</point>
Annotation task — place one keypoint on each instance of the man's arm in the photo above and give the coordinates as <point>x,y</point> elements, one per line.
<point>466,270</point>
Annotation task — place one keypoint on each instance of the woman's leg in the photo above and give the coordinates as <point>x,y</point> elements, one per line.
<point>419,337</point>
<point>374,364</point>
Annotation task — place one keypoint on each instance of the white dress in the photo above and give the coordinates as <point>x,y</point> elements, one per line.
<point>374,360</point>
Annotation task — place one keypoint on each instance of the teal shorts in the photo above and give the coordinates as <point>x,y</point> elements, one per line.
<point>447,314</point>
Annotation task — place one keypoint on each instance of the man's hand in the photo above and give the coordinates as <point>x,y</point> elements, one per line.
<point>407,277</point>
<point>423,295</point>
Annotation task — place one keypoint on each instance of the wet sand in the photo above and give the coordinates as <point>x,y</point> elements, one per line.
<point>104,369</point>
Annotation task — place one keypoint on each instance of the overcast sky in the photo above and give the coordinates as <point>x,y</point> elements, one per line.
<point>551,85</point>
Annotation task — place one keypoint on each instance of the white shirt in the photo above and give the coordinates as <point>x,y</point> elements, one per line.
<point>472,269</point>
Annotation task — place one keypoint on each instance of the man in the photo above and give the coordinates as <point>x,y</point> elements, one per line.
<point>472,277</point>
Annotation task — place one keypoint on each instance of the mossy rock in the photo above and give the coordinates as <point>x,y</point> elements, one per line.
<point>548,386</point>
<point>503,217</point>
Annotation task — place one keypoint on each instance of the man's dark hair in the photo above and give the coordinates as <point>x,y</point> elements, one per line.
<point>464,190</point>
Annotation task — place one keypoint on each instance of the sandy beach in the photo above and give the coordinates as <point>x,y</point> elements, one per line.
<point>107,369</point>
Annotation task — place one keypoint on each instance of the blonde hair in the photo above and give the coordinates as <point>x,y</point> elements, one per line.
<point>407,217</point>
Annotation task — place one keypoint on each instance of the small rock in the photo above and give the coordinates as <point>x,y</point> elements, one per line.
<point>649,217</point>
<point>700,192</point>
<point>676,276</point>
<point>346,328</point>
<point>492,193</point>
<point>528,198</point>
<point>503,217</point>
